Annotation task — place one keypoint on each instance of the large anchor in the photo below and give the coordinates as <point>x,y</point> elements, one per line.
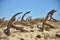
<point>22,19</point>
<point>50,14</point>
<point>10,25</point>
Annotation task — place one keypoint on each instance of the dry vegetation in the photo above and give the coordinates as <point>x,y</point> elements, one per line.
<point>33,33</point>
<point>29,29</point>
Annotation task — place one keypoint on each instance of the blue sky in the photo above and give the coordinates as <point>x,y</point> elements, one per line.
<point>38,8</point>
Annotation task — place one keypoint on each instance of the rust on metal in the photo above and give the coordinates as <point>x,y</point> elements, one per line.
<point>28,18</point>
<point>7,31</point>
<point>50,14</point>
<point>22,19</point>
